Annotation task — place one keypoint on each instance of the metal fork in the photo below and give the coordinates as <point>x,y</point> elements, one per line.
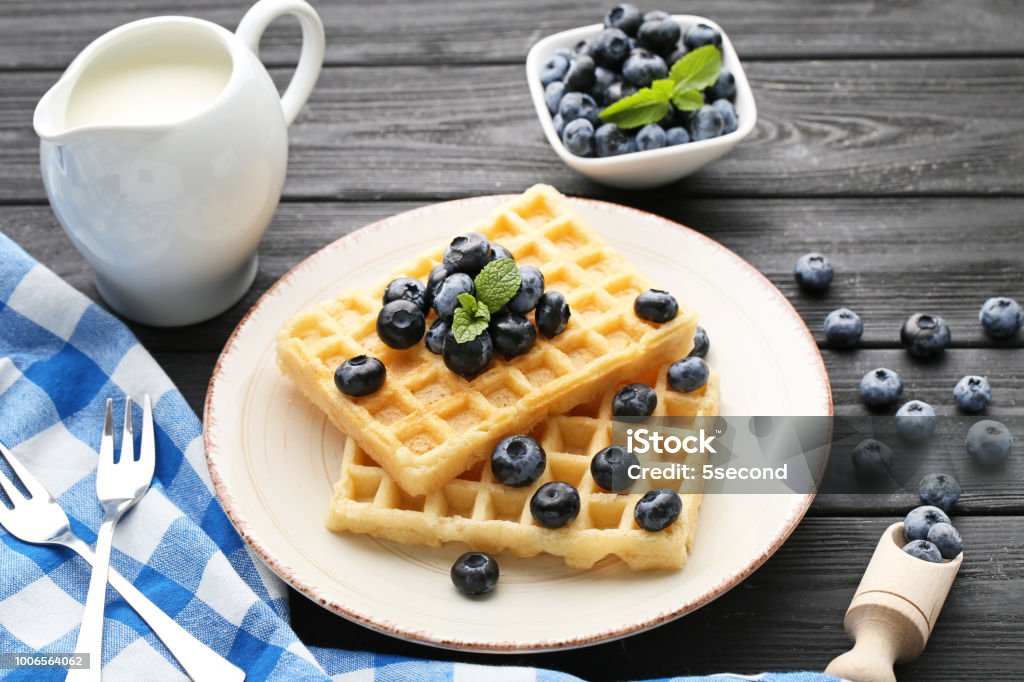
<point>38,519</point>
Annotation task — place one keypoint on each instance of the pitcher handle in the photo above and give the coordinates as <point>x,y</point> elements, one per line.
<point>255,22</point>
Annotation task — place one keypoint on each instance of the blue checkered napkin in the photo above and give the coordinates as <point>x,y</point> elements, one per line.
<point>61,357</point>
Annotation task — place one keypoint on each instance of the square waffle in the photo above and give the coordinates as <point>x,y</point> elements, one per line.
<point>488,516</point>
<point>427,425</point>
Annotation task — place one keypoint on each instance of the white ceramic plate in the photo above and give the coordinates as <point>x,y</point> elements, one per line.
<point>274,457</point>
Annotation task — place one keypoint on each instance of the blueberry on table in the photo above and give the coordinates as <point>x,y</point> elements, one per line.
<point>618,90</point>
<point>635,400</point>
<point>467,253</point>
<point>407,289</point>
<point>610,140</point>
<point>872,460</point>
<point>475,573</point>
<point>843,328</point>
<point>688,375</point>
<point>555,504</point>
<point>580,75</point>
<point>625,17</point>
<point>657,509</point>
<point>400,324</point>
<point>730,120</point>
<point>701,343</point>
<point>518,461</point>
<point>578,137</point>
<point>643,67</point>
<point>676,136</point>
<point>813,273</point>
<point>553,95</point>
<point>947,539</point>
<point>924,550</point>
<point>651,136</point>
<point>552,314</point>
<point>880,387</point>
<point>437,275</point>
<point>498,251</point>
<point>925,335</point>
<point>359,376</point>
<point>610,47</point>
<point>610,469</point>
<point>700,35</point>
<point>989,442</point>
<point>915,421</point>
<point>1001,317</point>
<point>513,335</point>
<point>706,123</point>
<point>446,300</point>
<point>920,520</point>
<point>724,88</point>
<point>656,305</point>
<point>972,393</point>
<point>553,69</point>
<point>470,358</point>
<point>531,287</point>
<point>436,335</point>
<point>659,35</point>
<point>577,105</point>
<point>939,490</point>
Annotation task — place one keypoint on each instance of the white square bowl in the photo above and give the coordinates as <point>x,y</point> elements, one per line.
<point>657,166</point>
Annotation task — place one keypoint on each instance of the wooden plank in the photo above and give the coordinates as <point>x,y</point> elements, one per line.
<point>786,616</point>
<point>50,34</point>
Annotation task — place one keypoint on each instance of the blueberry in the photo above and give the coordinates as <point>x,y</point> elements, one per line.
<point>467,253</point>
<point>470,358</point>
<point>676,136</point>
<point>700,35</point>
<point>518,461</point>
<point>656,305</point>
<point>872,460</point>
<point>555,504</point>
<point>651,136</point>
<point>939,490</point>
<point>434,280</point>
<point>361,375</point>
<point>669,119</point>
<point>730,121</point>
<point>972,393</point>
<point>531,286</point>
<point>925,335</point>
<point>724,88</point>
<point>659,35</point>
<point>603,79</point>
<point>559,123</point>
<point>553,69</point>
<point>580,75</point>
<point>407,289</point>
<point>635,400</point>
<point>581,48</point>
<point>643,68</point>
<point>578,137</point>
<point>656,15</point>
<point>920,520</point>
<point>552,314</point>
<point>513,334</point>
<point>843,328</point>
<point>610,468</point>
<point>813,273</point>
<point>625,17</point>
<point>688,375</point>
<point>915,421</point>
<point>400,324</point>
<point>924,550</point>
<point>947,539</point>
<point>657,509</point>
<point>610,140</point>
<point>675,56</point>
<point>446,300</point>
<point>610,48</point>
<point>498,251</point>
<point>880,387</point>
<point>706,123</point>
<point>566,52</point>
<point>618,90</point>
<point>989,442</point>
<point>577,105</point>
<point>1001,317</point>
<point>553,95</point>
<point>475,573</point>
<point>701,343</point>
<point>436,335</point>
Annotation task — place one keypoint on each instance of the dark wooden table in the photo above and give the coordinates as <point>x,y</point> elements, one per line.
<point>890,137</point>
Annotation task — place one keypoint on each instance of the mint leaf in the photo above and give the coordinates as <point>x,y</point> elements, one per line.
<point>497,283</point>
<point>663,87</point>
<point>698,69</point>
<point>688,100</point>
<point>646,106</point>
<point>470,303</point>
<point>466,326</point>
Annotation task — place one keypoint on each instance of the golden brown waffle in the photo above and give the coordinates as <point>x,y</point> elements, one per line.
<point>492,517</point>
<point>427,425</point>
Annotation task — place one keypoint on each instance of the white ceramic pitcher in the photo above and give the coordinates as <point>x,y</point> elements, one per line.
<point>163,151</point>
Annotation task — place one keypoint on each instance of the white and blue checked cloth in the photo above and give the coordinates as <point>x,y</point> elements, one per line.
<point>61,357</point>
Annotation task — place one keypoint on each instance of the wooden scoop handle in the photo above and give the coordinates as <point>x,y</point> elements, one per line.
<point>893,611</point>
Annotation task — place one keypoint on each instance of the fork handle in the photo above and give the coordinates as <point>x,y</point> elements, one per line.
<point>90,635</point>
<point>201,663</point>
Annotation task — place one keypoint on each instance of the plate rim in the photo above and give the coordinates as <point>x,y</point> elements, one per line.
<point>383,625</point>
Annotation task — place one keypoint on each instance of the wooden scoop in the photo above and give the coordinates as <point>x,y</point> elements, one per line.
<point>893,611</point>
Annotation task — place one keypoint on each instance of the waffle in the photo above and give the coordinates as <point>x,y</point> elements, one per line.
<point>491,517</point>
<point>427,425</point>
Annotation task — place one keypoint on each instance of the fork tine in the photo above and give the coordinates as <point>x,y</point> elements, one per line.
<point>128,434</point>
<point>107,442</point>
<point>7,484</point>
<point>147,447</point>
<point>31,483</point>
